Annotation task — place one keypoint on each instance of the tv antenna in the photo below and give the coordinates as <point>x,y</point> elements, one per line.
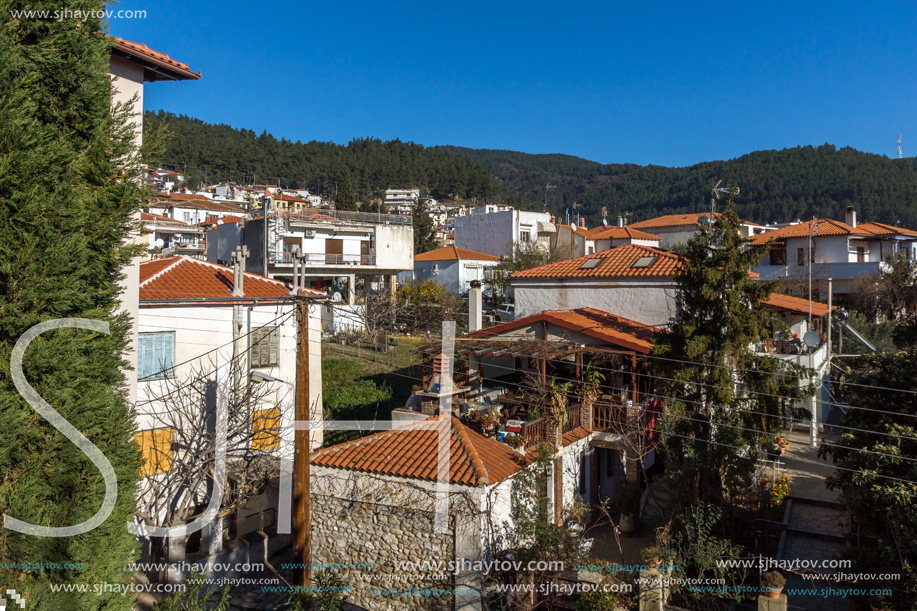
<point>715,195</point>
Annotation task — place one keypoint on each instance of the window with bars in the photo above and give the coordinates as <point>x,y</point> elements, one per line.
<point>265,347</point>
<point>155,355</point>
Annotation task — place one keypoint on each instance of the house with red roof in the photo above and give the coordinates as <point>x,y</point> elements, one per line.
<point>374,503</point>
<point>844,251</point>
<point>453,267</point>
<point>211,337</point>
<point>679,228</point>
<point>170,237</point>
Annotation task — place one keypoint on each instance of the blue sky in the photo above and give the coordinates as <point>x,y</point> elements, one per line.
<point>641,82</point>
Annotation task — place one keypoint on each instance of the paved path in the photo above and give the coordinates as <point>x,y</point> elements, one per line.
<point>816,526</point>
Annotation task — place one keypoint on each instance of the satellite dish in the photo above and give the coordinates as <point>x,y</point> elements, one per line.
<point>811,339</point>
<point>159,243</point>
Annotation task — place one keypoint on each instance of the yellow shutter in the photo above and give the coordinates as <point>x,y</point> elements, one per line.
<point>266,428</point>
<point>156,448</point>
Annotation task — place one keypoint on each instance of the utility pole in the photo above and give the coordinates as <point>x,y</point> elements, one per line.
<point>302,507</point>
<point>265,204</point>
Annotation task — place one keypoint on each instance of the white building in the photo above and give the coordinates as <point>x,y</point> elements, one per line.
<point>495,232</point>
<point>679,228</point>
<point>194,208</point>
<point>170,237</point>
<point>201,333</point>
<point>455,268</point>
<point>844,252</point>
<point>131,65</point>
<point>401,197</point>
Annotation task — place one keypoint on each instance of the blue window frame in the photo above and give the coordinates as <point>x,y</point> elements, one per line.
<point>155,355</point>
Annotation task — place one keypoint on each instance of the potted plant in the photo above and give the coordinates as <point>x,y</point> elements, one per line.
<point>653,556</point>
<point>772,584</point>
<point>515,442</point>
<point>782,444</point>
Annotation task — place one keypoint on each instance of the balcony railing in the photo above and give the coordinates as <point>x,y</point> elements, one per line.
<point>319,260</point>
<point>535,432</point>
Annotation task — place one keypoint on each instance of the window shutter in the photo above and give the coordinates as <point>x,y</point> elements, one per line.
<point>168,348</point>
<point>144,356</point>
<point>272,347</point>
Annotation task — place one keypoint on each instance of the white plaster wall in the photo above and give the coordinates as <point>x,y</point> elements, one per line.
<point>674,235</point>
<point>200,330</point>
<point>649,303</point>
<point>488,233</point>
<point>395,247</point>
<point>447,273</point>
<point>572,464</point>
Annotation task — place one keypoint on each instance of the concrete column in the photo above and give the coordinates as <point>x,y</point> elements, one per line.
<point>475,307</point>
<point>212,537</point>
<point>351,286</point>
<point>654,590</point>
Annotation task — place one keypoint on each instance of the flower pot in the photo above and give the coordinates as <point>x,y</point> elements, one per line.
<point>627,525</point>
<point>773,593</point>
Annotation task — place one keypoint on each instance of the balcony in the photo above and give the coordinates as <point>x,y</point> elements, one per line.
<point>321,260</point>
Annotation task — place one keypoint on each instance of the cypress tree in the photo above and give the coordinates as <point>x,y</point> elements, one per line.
<point>423,228</point>
<point>345,199</point>
<point>67,192</point>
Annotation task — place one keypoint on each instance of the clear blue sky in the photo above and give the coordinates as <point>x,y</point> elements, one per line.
<point>641,82</point>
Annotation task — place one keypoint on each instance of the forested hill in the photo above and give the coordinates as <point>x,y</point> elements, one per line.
<point>215,153</point>
<point>775,185</point>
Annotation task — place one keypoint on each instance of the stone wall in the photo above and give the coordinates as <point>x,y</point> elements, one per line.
<point>357,533</point>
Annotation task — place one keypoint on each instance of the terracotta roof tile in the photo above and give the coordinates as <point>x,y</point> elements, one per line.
<point>610,328</point>
<point>621,233</point>
<point>671,220</point>
<point>883,229</point>
<point>187,278</point>
<point>796,304</point>
<point>453,253</point>
<point>474,459</point>
<point>177,69</point>
<point>614,263</point>
<point>575,435</point>
<point>818,228</point>
<point>222,221</point>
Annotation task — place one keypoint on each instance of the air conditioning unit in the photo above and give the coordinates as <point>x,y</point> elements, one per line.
<point>309,233</point>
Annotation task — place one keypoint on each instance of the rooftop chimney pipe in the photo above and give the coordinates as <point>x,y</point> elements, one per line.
<point>851,216</point>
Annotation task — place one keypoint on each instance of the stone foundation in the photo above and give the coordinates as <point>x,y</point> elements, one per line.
<point>378,537</point>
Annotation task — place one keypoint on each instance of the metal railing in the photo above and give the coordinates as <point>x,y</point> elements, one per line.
<point>322,259</point>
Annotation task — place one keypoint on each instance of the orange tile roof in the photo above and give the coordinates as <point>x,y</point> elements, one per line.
<point>614,263</point>
<point>622,233</point>
<point>187,278</point>
<point>613,329</point>
<point>796,304</point>
<point>223,221</point>
<point>474,460</point>
<point>200,202</point>
<point>174,69</point>
<point>818,228</point>
<point>575,435</point>
<point>453,253</point>
<point>883,229</point>
<point>164,223</point>
<point>672,220</point>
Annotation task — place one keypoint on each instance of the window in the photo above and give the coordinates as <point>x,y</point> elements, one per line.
<point>186,216</point>
<point>266,429</point>
<point>155,355</point>
<point>861,254</point>
<point>644,262</point>
<point>778,257</point>
<point>156,448</point>
<point>591,263</point>
<point>265,347</point>
<point>800,256</point>
<point>524,236</point>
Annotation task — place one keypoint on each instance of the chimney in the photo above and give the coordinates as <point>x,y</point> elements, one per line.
<point>238,273</point>
<point>620,221</point>
<point>582,222</point>
<point>851,216</point>
<point>475,309</point>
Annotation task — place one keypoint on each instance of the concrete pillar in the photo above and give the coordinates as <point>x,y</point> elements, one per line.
<point>351,288</point>
<point>475,307</point>
<point>212,537</point>
<point>766,603</point>
<point>654,590</point>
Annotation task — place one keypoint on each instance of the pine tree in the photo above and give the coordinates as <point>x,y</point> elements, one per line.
<point>345,199</point>
<point>709,360</point>
<point>423,228</point>
<point>67,190</point>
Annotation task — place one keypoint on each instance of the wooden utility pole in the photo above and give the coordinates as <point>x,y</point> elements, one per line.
<point>302,509</point>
